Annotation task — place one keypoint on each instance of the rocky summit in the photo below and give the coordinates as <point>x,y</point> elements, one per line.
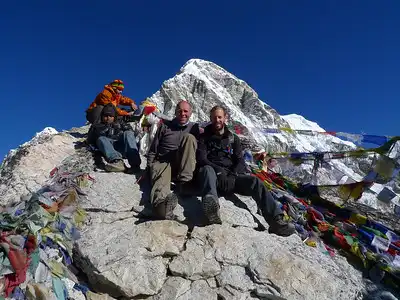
<point>121,254</point>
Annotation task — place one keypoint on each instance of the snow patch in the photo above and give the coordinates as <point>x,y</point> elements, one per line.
<point>298,122</point>
<point>48,131</point>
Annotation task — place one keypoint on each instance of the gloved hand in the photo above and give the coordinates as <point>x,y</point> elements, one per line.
<point>226,182</point>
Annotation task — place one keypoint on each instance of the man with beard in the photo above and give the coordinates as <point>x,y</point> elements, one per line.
<point>222,168</point>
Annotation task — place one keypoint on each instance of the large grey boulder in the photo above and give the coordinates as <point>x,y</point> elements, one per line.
<point>127,259</point>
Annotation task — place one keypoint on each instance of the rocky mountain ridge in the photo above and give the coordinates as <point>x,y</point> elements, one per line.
<point>127,257</point>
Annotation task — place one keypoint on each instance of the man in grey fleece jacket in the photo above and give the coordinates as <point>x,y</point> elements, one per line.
<point>172,157</point>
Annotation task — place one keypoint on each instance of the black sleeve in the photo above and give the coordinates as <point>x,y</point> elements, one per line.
<point>201,156</point>
<point>237,156</point>
<point>154,145</point>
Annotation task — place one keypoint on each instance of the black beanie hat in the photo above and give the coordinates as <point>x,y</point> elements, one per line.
<point>109,110</point>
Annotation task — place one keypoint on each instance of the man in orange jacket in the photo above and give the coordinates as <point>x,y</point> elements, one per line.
<point>112,93</point>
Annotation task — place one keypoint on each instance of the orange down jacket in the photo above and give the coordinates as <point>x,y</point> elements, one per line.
<point>109,96</point>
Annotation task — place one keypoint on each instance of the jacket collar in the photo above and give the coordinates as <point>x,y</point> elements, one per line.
<point>176,123</point>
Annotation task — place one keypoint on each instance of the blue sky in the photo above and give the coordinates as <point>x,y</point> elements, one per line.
<point>334,62</point>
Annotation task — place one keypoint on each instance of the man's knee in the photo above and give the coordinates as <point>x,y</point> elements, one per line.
<point>129,133</point>
<point>207,173</point>
<point>129,136</point>
<point>189,140</point>
<point>102,139</point>
<point>255,182</point>
<point>189,137</point>
<point>208,170</point>
<point>247,183</point>
<point>160,171</point>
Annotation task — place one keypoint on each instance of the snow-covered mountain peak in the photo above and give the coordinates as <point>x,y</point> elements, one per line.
<point>198,66</point>
<point>45,132</point>
<point>205,84</point>
<point>298,122</point>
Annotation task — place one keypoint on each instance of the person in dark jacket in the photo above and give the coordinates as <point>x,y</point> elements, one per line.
<point>115,139</point>
<point>172,158</point>
<point>221,169</point>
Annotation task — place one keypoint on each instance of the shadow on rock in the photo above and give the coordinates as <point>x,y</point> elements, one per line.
<point>98,160</point>
<point>97,282</point>
<point>143,180</point>
<point>192,207</point>
<point>146,214</point>
<point>239,203</point>
<point>80,145</point>
<point>192,211</point>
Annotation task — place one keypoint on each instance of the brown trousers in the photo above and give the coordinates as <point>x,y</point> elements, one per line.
<point>182,169</point>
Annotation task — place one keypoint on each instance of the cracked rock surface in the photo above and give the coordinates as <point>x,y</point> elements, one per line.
<point>127,256</point>
<point>130,259</point>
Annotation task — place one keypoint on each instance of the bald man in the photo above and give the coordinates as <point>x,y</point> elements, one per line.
<point>172,157</point>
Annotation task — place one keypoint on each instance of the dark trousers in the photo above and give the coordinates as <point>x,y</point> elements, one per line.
<point>245,185</point>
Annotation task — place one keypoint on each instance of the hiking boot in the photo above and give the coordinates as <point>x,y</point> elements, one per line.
<point>115,166</point>
<point>211,209</point>
<point>171,202</point>
<point>281,227</point>
<point>165,209</point>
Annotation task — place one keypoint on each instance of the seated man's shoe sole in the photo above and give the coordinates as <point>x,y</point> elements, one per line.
<point>211,209</point>
<point>286,229</point>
